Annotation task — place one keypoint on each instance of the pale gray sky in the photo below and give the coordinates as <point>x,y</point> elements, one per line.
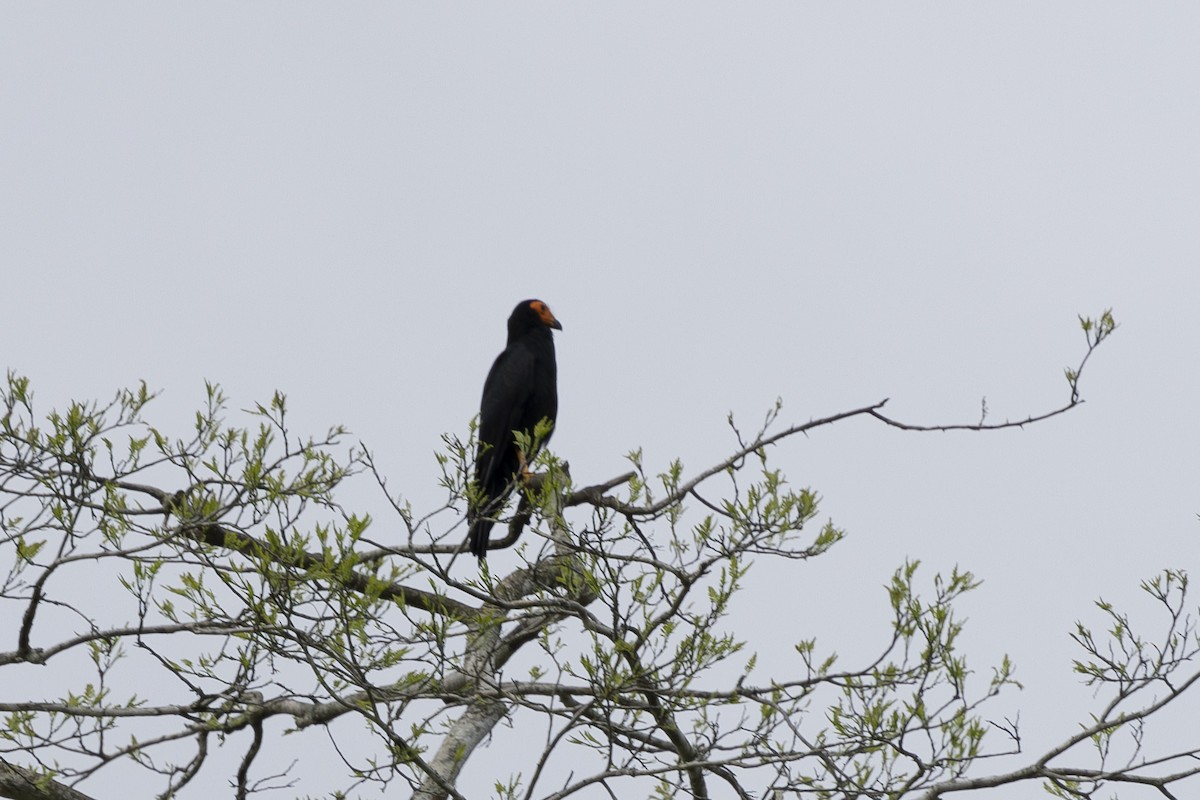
<point>722,202</point>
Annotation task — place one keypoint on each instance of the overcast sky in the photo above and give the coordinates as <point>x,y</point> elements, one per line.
<point>723,203</point>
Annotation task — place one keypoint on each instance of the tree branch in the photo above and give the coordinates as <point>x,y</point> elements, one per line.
<point>20,783</point>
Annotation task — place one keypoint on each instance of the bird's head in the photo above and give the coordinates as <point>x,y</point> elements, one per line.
<point>531,315</point>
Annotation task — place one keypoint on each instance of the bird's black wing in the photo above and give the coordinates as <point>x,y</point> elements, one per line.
<point>506,394</point>
<point>519,391</point>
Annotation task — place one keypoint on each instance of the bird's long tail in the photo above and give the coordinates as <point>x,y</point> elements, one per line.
<point>480,529</point>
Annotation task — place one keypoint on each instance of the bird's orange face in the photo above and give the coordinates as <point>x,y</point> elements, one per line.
<point>543,313</point>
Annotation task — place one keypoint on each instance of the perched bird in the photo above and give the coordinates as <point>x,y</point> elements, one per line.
<point>520,391</point>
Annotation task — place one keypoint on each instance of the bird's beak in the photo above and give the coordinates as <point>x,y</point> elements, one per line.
<point>547,316</point>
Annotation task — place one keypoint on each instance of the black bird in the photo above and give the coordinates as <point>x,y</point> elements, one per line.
<point>520,391</point>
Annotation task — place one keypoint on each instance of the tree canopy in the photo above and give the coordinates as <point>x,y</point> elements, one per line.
<point>174,607</point>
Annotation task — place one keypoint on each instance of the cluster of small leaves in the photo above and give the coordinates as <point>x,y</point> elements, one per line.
<point>234,576</point>
<point>1141,672</point>
<point>911,720</point>
<point>634,663</point>
<point>1131,661</point>
<point>1095,330</point>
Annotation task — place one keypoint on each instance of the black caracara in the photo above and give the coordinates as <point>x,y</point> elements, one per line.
<point>520,391</point>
